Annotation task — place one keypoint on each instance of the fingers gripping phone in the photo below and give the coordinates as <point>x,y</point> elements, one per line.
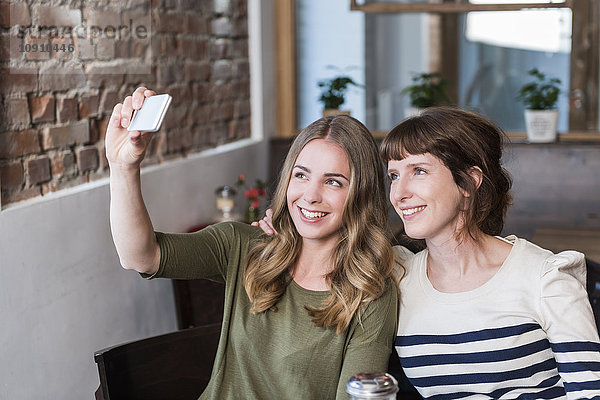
<point>150,116</point>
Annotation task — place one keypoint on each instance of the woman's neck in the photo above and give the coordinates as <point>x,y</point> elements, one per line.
<point>465,264</point>
<point>313,264</point>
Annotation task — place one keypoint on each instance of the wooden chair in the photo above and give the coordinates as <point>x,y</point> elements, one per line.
<point>175,366</point>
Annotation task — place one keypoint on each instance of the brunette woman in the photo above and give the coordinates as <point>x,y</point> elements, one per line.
<point>481,316</point>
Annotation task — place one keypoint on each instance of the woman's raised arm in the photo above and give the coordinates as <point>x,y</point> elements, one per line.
<point>130,223</point>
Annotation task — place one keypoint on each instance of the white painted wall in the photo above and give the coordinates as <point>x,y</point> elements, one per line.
<point>63,294</point>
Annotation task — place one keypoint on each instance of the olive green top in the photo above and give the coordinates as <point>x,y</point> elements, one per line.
<point>276,354</point>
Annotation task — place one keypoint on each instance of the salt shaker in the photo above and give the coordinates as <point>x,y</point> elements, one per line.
<point>371,386</point>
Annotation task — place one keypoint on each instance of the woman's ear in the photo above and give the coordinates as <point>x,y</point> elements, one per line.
<point>476,174</point>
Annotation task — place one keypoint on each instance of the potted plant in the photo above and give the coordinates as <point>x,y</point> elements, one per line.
<point>333,93</point>
<point>541,115</point>
<point>427,90</point>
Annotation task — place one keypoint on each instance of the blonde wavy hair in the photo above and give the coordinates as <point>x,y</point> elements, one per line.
<point>363,259</point>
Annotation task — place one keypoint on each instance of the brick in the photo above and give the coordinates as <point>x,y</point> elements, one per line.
<point>15,14</point>
<point>66,109</point>
<point>196,71</point>
<point>88,106</point>
<point>220,48</point>
<point>14,197</point>
<point>26,80</point>
<point>170,23</point>
<point>225,111</point>
<point>170,3</point>
<point>63,165</point>
<point>4,14</point>
<point>98,129</point>
<point>201,92</point>
<point>239,28</point>
<point>138,49</point>
<point>19,143</point>
<point>87,158</point>
<point>241,69</point>
<point>240,48</point>
<point>107,75</point>
<point>221,26</point>
<point>221,69</point>
<point>122,48</point>
<point>54,77</point>
<point>194,48</point>
<point>12,176</point>
<point>56,15</point>
<point>174,141</point>
<point>63,53</point>
<point>101,18</point>
<point>41,109</point>
<point>4,47</point>
<point>84,49</point>
<point>170,46</point>
<point>141,74</point>
<point>103,160</point>
<point>16,112</point>
<point>108,100</point>
<point>37,43</point>
<point>242,109</point>
<point>166,74</point>
<point>139,23</point>
<point>196,24</point>
<point>240,8</point>
<point>38,170</point>
<point>241,88</point>
<point>105,49</point>
<point>59,136</point>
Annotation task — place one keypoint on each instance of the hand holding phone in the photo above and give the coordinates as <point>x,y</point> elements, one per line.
<point>149,118</point>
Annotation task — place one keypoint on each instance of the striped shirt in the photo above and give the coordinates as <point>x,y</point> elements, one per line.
<point>527,333</point>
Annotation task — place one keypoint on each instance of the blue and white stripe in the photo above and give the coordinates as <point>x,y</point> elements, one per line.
<point>505,362</point>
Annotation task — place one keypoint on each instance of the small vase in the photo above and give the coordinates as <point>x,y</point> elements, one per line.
<point>541,125</point>
<point>328,112</point>
<point>252,214</point>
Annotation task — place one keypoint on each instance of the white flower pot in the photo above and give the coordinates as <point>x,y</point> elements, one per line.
<point>541,125</point>
<point>411,112</point>
<point>327,112</point>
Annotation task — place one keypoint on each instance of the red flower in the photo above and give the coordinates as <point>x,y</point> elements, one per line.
<point>251,193</point>
<point>255,204</point>
<point>262,192</point>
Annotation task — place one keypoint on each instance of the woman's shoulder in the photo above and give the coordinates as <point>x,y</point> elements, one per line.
<point>407,262</point>
<point>402,254</point>
<point>569,261</point>
<point>236,229</point>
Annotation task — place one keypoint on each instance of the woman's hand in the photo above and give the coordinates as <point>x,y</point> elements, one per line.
<point>123,148</point>
<point>266,224</point>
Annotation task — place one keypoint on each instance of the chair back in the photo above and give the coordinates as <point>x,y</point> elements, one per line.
<point>173,366</point>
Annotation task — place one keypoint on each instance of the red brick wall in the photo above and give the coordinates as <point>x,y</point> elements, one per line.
<point>54,106</point>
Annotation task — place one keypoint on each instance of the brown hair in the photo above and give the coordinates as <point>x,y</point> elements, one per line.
<point>363,258</point>
<point>461,140</point>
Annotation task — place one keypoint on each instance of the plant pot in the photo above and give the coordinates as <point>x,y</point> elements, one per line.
<point>411,111</point>
<point>328,112</point>
<point>541,125</point>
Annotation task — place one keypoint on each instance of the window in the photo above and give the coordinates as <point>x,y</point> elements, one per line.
<point>386,46</point>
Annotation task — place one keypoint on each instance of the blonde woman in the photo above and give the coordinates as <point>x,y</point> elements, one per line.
<point>304,310</point>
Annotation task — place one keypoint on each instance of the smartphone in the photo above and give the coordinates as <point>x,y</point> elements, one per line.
<point>150,116</point>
